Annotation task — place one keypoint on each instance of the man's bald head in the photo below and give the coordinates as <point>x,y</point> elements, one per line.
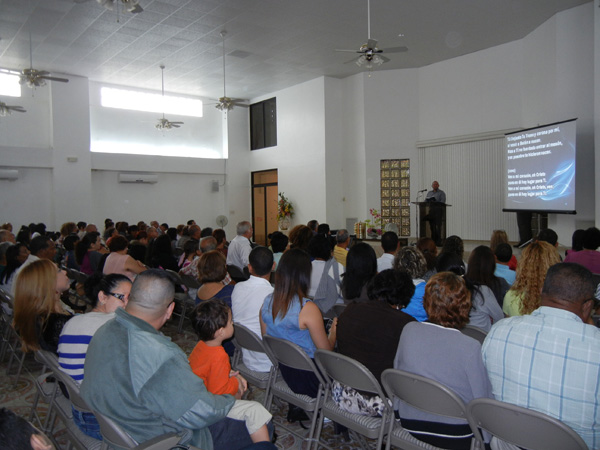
<point>151,294</point>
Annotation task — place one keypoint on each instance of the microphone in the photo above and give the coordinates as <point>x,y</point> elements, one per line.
<point>423,190</point>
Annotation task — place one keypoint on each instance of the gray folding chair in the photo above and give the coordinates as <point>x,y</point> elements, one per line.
<point>181,299</point>
<point>474,332</point>
<point>61,406</point>
<point>291,355</point>
<point>115,437</point>
<point>350,372</point>
<point>525,428</point>
<point>46,389</point>
<point>11,341</point>
<point>243,338</point>
<point>427,395</point>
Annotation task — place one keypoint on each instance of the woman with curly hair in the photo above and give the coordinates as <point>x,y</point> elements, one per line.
<point>412,260</point>
<point>500,237</point>
<point>438,350</point>
<point>525,295</point>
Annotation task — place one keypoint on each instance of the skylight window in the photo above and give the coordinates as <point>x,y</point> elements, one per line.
<point>9,84</point>
<point>143,101</point>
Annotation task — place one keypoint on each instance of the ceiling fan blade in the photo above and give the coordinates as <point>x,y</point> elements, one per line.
<point>353,60</point>
<point>395,49</point>
<point>80,1</point>
<point>384,59</point>
<point>180,123</point>
<point>62,80</point>
<point>17,109</point>
<point>351,51</point>
<point>136,9</point>
<point>372,43</point>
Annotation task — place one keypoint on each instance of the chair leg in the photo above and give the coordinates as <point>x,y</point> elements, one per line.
<point>182,317</point>
<point>21,360</point>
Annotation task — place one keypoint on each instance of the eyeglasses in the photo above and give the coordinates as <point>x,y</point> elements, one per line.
<point>121,297</point>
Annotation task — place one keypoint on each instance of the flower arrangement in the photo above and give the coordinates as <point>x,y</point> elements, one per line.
<point>284,207</point>
<point>374,224</point>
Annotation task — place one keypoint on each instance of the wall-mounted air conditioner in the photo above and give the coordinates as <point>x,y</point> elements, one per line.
<point>149,178</point>
<point>9,174</point>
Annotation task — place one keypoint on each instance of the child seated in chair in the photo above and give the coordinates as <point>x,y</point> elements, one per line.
<point>213,324</point>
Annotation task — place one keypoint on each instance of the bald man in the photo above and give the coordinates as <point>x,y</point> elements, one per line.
<point>143,381</point>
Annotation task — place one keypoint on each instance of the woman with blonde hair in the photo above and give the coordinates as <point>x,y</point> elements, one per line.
<point>500,237</point>
<point>38,314</point>
<point>525,295</point>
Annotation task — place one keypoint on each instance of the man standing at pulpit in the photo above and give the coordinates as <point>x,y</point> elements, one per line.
<point>438,197</point>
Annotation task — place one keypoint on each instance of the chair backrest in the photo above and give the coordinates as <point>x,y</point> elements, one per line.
<point>474,332</point>
<point>236,273</point>
<point>113,434</point>
<point>247,339</point>
<point>523,427</point>
<point>290,354</point>
<point>176,278</point>
<point>190,282</point>
<point>347,371</point>
<point>338,309</point>
<point>425,394</point>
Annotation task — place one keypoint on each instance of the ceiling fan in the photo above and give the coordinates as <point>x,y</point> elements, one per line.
<point>165,124</point>
<point>35,78</point>
<point>6,110</point>
<point>132,6</point>
<point>370,53</point>
<point>227,103</point>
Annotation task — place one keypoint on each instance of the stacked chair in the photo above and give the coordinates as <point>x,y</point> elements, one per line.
<point>11,342</point>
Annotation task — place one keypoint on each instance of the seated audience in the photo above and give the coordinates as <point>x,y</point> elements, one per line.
<point>191,253</point>
<point>503,255</point>
<point>325,278</point>
<point>24,235</point>
<point>18,434</point>
<point>454,244</point>
<point>67,229</point>
<point>7,236</point>
<point>139,247</point>
<point>239,248</point>
<point>38,313</point>
<point>131,370</point>
<point>361,267</point>
<point>412,261</point>
<point>481,269</point>
<point>279,242</point>
<point>390,245</point>
<point>69,244</point>
<point>300,236</point>
<point>369,333</point>
<point>213,324</point>
<point>430,252</point>
<point>247,298</point>
<point>313,225</point>
<point>88,252</point>
<point>41,247</point>
<point>548,360</point>
<point>109,232</point>
<point>16,255</point>
<point>3,248</point>
<point>576,242</point>
<point>211,273</point>
<point>525,295</point>
<point>81,229</point>
<point>118,261</point>
<point>589,257</point>
<point>161,256</point>
<point>106,293</point>
<point>438,350</point>
<point>222,244</point>
<point>340,251</point>
<point>500,237</point>
<point>288,314</point>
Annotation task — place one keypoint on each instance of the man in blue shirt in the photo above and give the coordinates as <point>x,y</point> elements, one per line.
<point>549,360</point>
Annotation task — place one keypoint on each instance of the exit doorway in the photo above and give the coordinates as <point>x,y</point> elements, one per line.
<point>264,204</point>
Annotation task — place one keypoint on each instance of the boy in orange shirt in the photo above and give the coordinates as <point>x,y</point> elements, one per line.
<point>213,324</point>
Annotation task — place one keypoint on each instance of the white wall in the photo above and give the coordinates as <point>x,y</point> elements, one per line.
<point>597,105</point>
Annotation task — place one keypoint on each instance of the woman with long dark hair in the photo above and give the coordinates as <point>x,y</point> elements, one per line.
<point>361,267</point>
<point>482,265</point>
<point>87,252</point>
<point>15,256</point>
<point>288,314</point>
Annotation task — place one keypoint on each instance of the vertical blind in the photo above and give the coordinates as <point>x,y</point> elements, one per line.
<point>471,172</point>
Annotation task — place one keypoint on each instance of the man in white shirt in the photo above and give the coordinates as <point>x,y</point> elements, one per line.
<point>390,245</point>
<point>247,299</point>
<point>239,247</point>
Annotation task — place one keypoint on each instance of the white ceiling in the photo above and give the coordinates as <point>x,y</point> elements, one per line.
<point>270,45</point>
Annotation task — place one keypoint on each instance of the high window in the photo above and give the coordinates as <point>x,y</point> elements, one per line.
<point>263,124</point>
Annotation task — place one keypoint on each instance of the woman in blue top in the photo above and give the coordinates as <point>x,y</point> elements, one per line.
<point>287,314</point>
<point>413,261</point>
